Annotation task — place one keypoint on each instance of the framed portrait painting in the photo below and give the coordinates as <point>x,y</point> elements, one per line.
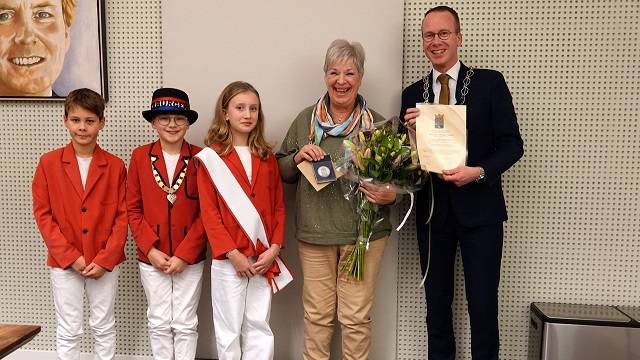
<point>50,47</point>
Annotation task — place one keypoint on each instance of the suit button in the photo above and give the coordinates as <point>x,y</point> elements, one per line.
<point>84,231</point>
<point>83,209</point>
<point>253,195</point>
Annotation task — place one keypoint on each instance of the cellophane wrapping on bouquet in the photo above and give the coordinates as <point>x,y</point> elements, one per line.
<point>380,156</point>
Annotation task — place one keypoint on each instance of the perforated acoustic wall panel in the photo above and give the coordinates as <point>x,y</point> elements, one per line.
<point>32,128</point>
<point>573,233</point>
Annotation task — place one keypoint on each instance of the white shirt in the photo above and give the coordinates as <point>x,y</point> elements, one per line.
<point>245,157</point>
<point>171,161</point>
<point>453,81</point>
<point>83,165</point>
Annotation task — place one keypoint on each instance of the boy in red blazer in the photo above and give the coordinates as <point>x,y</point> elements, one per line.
<point>163,209</point>
<point>79,207</point>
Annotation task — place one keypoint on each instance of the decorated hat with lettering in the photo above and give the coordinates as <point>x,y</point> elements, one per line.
<point>170,101</point>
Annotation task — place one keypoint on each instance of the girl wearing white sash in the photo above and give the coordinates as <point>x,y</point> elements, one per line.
<point>242,209</point>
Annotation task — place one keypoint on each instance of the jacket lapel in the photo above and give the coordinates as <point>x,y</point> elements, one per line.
<point>255,167</point>
<point>161,167</point>
<point>96,169</point>
<point>430,82</point>
<point>459,84</point>
<point>70,164</point>
<point>185,154</point>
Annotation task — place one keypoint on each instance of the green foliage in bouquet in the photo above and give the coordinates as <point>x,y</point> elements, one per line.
<point>379,156</point>
<point>384,156</point>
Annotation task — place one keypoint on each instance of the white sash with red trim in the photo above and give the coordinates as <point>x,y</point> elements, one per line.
<point>242,209</point>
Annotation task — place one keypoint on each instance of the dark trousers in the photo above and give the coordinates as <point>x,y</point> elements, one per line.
<point>481,249</point>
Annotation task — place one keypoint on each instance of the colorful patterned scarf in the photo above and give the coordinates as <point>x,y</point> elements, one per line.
<point>322,124</point>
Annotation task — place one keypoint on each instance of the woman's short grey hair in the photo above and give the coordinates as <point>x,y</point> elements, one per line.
<point>342,50</point>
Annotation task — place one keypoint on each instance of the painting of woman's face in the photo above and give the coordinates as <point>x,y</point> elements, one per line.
<point>33,42</point>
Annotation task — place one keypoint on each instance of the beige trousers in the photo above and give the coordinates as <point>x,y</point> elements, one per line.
<point>327,291</point>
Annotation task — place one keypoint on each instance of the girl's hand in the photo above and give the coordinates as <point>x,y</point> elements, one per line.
<point>266,259</point>
<point>241,263</point>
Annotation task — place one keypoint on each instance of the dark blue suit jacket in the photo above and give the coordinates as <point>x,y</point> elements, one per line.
<point>493,142</point>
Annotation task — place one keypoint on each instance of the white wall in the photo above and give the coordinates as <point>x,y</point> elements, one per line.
<point>279,47</point>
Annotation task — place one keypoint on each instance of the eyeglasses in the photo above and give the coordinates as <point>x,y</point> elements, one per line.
<point>442,34</point>
<point>165,120</point>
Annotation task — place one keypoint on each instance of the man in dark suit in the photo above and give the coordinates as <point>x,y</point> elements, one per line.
<point>469,206</point>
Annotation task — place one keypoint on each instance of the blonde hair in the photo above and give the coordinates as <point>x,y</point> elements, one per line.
<point>220,132</point>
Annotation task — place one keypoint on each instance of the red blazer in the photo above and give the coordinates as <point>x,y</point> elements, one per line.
<point>173,229</point>
<point>265,191</point>
<point>74,222</point>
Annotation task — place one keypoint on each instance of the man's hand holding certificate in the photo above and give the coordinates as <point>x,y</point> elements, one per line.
<point>441,136</point>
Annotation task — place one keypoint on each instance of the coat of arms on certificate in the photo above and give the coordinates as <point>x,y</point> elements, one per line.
<point>441,136</point>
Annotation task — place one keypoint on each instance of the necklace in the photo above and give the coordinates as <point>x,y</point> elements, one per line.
<point>463,92</point>
<point>171,191</point>
<point>339,117</point>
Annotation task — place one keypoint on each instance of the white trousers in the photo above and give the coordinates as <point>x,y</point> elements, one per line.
<point>68,296</point>
<point>172,310</point>
<point>241,309</point>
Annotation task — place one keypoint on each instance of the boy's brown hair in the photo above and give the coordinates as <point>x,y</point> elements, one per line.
<point>86,99</point>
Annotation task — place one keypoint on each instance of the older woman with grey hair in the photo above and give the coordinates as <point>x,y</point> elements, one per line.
<point>325,221</point>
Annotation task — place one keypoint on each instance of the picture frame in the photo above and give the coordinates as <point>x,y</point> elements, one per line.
<point>63,49</point>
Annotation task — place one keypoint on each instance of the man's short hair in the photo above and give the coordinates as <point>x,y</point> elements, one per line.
<point>86,99</point>
<point>444,8</point>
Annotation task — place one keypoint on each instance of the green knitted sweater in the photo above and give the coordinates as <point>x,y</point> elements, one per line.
<point>323,217</point>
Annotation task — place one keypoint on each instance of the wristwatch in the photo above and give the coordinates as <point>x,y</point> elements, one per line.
<point>481,177</point>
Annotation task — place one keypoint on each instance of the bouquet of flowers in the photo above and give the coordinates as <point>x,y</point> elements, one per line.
<point>380,156</point>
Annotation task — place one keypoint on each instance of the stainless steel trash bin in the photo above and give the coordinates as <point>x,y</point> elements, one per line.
<point>582,332</point>
<point>631,311</point>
